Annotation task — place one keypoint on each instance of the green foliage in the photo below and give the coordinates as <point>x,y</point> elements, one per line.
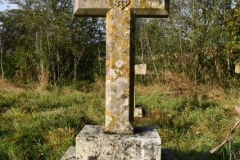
<point>233,34</point>
<point>189,124</point>
<point>44,43</point>
<point>43,124</point>
<point>191,42</point>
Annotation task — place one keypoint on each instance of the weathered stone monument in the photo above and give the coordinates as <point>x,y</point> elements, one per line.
<point>118,140</point>
<point>140,69</point>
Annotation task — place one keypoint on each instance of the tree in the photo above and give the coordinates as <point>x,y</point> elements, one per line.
<point>232,46</point>
<point>190,42</point>
<point>46,44</point>
<point>1,57</point>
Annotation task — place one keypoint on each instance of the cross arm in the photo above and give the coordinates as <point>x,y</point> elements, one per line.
<point>91,8</point>
<point>142,8</point>
<point>151,8</point>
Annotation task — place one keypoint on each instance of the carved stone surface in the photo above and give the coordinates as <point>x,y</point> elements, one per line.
<point>121,3</point>
<point>92,143</point>
<point>142,8</point>
<point>119,69</point>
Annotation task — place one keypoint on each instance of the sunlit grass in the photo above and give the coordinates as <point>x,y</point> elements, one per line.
<point>43,124</point>
<point>191,124</point>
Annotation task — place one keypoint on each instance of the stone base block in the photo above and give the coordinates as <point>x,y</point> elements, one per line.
<point>93,144</point>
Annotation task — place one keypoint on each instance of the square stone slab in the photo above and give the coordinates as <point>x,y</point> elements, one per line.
<point>93,144</point>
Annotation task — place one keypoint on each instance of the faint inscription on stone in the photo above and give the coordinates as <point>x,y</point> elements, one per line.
<point>121,3</point>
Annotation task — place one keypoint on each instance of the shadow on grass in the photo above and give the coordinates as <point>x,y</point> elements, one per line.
<point>227,152</point>
<point>196,103</point>
<point>6,105</point>
<point>4,155</point>
<point>3,133</point>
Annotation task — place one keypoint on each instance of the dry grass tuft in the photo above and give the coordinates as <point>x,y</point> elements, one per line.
<point>7,86</point>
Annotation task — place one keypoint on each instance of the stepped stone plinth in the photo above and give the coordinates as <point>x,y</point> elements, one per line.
<point>93,144</point>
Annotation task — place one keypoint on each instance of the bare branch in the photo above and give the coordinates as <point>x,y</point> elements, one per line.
<point>227,139</point>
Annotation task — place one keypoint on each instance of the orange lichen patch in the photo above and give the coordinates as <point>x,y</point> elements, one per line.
<point>109,17</point>
<point>126,93</point>
<point>144,4</point>
<point>108,112</point>
<point>107,63</point>
<point>114,118</point>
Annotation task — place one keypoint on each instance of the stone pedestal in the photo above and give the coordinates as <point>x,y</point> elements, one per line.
<point>93,144</point>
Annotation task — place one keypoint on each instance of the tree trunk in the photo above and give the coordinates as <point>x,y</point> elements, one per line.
<point>1,60</point>
<point>76,60</point>
<point>52,61</point>
<point>42,74</point>
<point>99,61</point>
<point>75,69</point>
<point>150,56</point>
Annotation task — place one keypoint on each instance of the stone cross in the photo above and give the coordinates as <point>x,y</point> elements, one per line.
<point>120,53</point>
<point>140,69</point>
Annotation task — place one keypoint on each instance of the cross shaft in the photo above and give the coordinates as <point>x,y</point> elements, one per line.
<point>120,53</point>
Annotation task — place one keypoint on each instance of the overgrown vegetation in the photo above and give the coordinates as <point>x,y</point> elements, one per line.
<point>42,42</point>
<point>43,124</point>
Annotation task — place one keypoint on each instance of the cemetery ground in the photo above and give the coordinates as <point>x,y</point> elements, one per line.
<point>42,123</point>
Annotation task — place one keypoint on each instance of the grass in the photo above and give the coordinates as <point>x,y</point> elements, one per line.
<point>43,124</point>
<point>192,123</point>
